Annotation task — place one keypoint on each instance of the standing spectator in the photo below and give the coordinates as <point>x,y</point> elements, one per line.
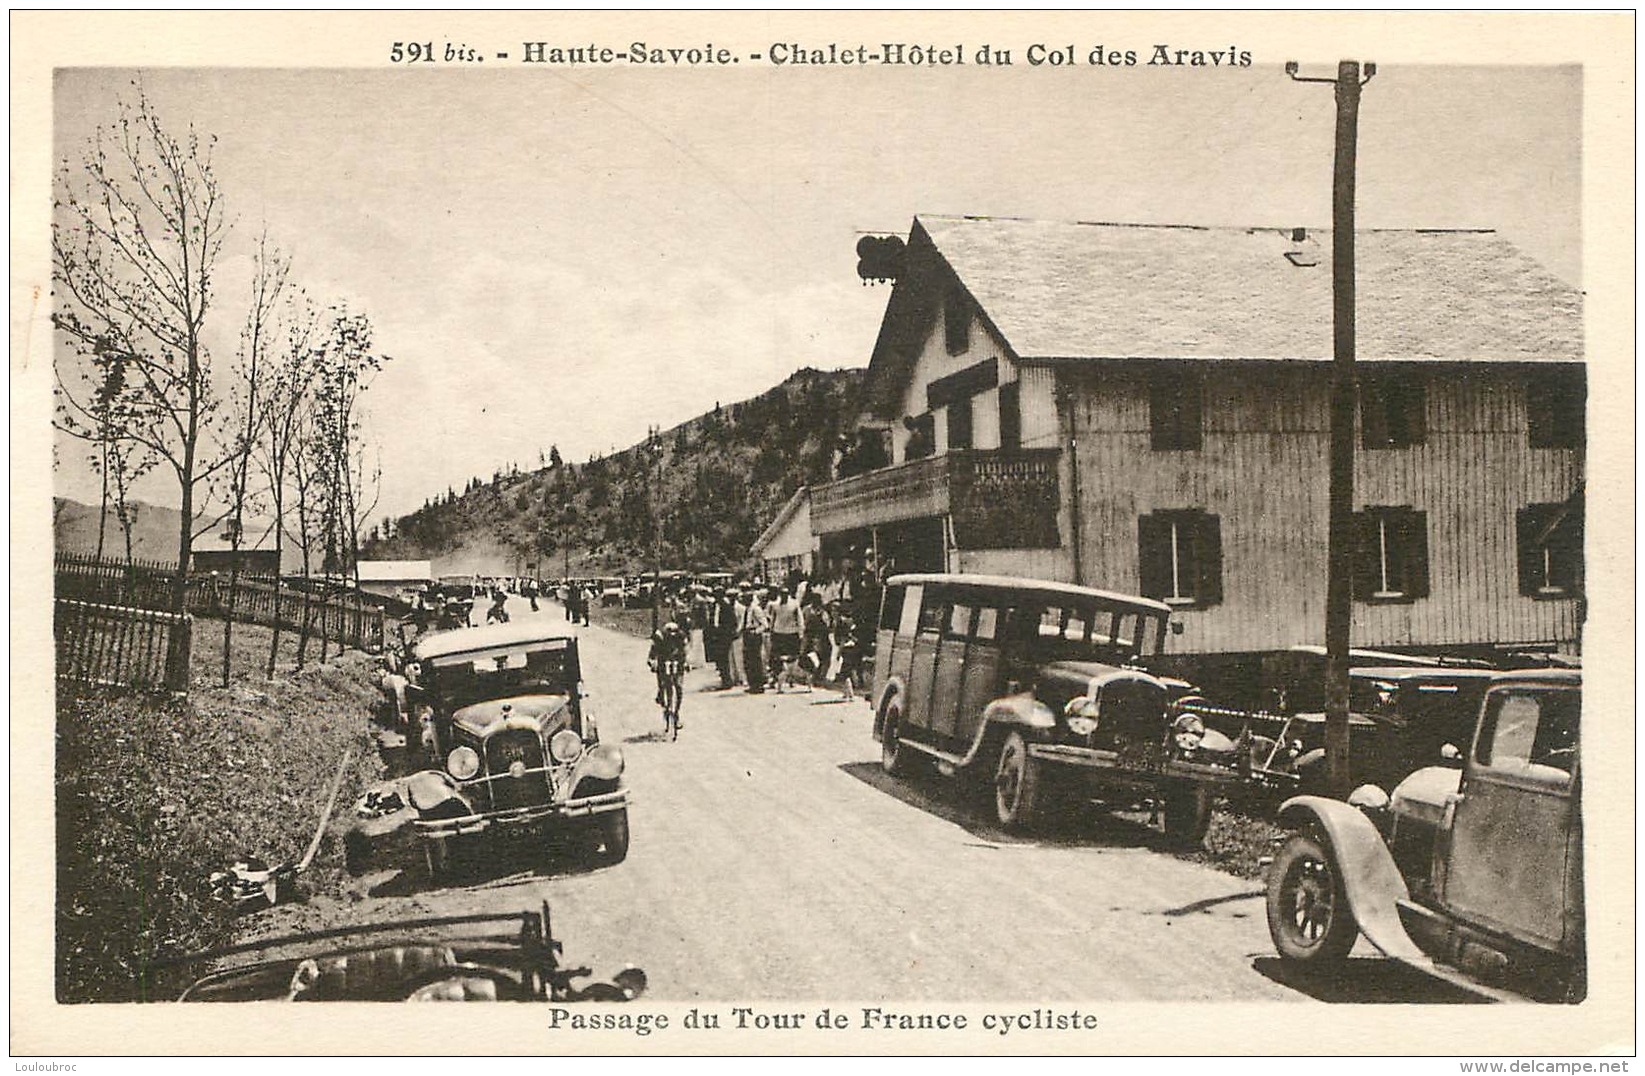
<point>583,600</point>
<point>734,639</point>
<point>752,627</point>
<point>570,600</point>
<point>816,651</point>
<point>848,652</point>
<point>785,635</point>
<point>719,618</point>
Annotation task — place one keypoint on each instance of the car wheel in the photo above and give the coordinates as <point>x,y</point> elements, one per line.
<point>612,828</point>
<point>1016,784</point>
<point>895,758</point>
<point>1187,813</point>
<point>1308,915</point>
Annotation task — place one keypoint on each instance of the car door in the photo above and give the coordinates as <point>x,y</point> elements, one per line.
<point>922,663</point>
<point>981,683</point>
<point>945,689</point>
<point>893,641</point>
<point>1507,862</point>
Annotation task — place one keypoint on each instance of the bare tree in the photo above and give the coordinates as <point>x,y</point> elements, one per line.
<point>248,398</point>
<point>136,231</point>
<point>288,404</point>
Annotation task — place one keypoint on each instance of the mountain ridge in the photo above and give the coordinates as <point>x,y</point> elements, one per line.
<point>719,480</point>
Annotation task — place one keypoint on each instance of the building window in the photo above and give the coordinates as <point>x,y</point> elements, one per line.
<point>1175,406</point>
<point>1550,549</point>
<point>956,322</point>
<point>1556,408</point>
<point>1010,416</point>
<point>1390,554</point>
<point>922,436</point>
<point>959,423</point>
<point>1392,410</point>
<point>1179,556</point>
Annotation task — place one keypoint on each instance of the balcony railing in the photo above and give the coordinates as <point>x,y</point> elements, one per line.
<point>999,499</point>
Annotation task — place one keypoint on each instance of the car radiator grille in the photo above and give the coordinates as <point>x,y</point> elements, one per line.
<point>502,751</point>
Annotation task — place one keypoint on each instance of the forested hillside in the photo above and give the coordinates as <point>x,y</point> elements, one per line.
<point>720,478</point>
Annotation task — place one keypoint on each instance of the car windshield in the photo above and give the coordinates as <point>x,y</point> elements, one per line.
<point>465,678</point>
<point>1082,630</point>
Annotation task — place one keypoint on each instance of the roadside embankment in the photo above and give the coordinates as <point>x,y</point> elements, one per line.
<point>154,795</point>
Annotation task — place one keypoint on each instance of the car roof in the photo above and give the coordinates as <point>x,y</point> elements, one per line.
<point>1420,672</point>
<point>1038,587</point>
<point>462,640</point>
<point>1561,677</point>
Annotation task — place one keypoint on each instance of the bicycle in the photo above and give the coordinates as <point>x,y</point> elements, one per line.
<point>670,692</point>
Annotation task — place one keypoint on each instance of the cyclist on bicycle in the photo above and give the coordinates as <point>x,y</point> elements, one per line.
<point>667,660</point>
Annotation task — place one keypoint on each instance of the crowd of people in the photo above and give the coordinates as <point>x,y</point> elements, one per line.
<point>799,634</point>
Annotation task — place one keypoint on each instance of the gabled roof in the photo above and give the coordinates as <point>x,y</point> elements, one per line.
<point>801,496</point>
<point>1057,290</point>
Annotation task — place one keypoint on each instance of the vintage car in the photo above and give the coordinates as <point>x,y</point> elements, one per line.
<point>1399,718</point>
<point>1473,875</point>
<point>1038,689</point>
<point>499,722</point>
<point>451,958</point>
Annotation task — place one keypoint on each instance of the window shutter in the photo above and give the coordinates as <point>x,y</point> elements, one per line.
<point>1529,522</point>
<point>1190,410</point>
<point>1154,555</point>
<point>1373,414</point>
<point>1415,404</point>
<point>959,423</point>
<point>1208,550</point>
<point>1367,554</point>
<point>1011,415</point>
<point>1413,532</point>
<point>1162,415</point>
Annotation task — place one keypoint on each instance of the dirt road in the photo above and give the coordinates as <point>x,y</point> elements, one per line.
<point>772,858</point>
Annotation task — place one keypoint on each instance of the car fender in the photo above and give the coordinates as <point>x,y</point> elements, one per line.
<point>1020,711</point>
<point>893,687</point>
<point>1369,876</point>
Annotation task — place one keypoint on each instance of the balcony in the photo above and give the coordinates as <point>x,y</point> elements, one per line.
<point>998,499</point>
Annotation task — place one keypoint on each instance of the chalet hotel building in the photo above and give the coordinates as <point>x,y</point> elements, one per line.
<point>1145,409</point>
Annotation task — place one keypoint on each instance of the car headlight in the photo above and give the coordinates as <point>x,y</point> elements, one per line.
<point>462,763</point>
<point>605,761</point>
<point>1082,726</point>
<point>565,746</point>
<point>1368,798</point>
<point>1187,732</point>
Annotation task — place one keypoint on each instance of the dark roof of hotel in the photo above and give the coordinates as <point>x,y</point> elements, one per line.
<point>1069,290</point>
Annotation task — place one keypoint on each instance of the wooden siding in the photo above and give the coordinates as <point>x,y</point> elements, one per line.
<point>1262,469</point>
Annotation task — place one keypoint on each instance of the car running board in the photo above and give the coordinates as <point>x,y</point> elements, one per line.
<point>1406,952</point>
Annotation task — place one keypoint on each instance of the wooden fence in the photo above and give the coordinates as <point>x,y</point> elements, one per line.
<point>119,646</point>
<point>149,585</point>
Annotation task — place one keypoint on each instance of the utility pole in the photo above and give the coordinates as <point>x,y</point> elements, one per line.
<point>1339,572</point>
<point>653,449</point>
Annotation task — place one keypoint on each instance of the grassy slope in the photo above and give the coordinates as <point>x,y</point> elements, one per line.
<point>153,796</point>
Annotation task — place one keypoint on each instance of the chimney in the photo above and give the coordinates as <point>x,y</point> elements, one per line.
<point>1299,234</point>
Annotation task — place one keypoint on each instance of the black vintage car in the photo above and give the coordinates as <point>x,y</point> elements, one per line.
<point>500,740</point>
<point>1039,689</point>
<point>1401,718</point>
<point>493,957</point>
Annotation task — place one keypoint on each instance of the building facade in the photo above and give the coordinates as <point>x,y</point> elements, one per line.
<point>1146,409</point>
<point>787,545</point>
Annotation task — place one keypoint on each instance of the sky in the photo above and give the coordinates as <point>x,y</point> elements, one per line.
<point>569,256</point>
